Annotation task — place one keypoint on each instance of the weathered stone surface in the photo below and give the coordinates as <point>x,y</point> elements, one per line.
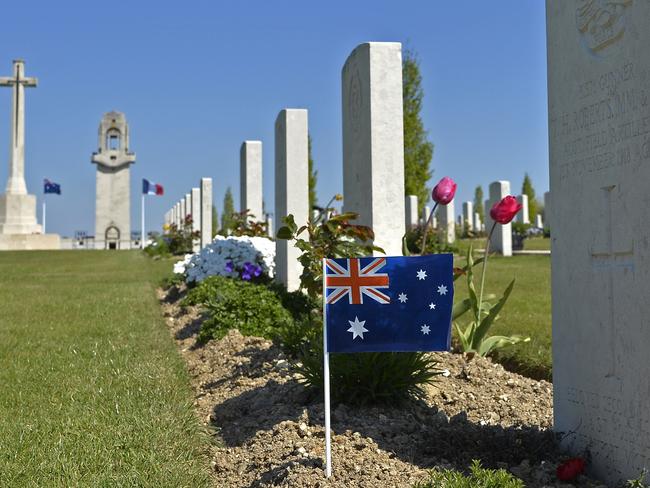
<point>411,211</point>
<point>468,215</point>
<point>547,209</point>
<point>502,237</point>
<point>598,85</point>
<point>17,208</point>
<point>250,178</point>
<point>291,188</point>
<point>373,146</point>
<point>206,211</point>
<point>196,217</point>
<point>29,242</point>
<point>522,216</point>
<point>446,223</point>
<point>113,197</point>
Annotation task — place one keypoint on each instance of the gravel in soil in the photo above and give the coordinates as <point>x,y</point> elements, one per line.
<point>268,429</point>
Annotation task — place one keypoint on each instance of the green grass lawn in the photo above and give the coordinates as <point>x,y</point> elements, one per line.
<point>92,389</point>
<point>527,312</point>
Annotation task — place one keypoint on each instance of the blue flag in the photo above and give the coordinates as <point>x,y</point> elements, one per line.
<point>399,304</point>
<point>50,187</point>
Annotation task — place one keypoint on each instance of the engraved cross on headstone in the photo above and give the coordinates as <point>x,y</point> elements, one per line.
<point>18,82</point>
<point>611,259</point>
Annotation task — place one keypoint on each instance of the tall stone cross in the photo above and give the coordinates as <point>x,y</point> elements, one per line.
<point>607,257</point>
<point>18,82</point>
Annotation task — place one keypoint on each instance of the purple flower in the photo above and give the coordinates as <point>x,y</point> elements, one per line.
<point>229,267</point>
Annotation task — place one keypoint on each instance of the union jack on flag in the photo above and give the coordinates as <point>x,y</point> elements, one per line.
<point>388,304</point>
<point>350,279</point>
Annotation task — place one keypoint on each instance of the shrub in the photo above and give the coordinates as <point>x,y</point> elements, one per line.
<point>368,378</point>
<point>180,238</point>
<point>247,224</point>
<point>158,248</point>
<point>478,478</point>
<point>435,244</point>
<point>233,304</point>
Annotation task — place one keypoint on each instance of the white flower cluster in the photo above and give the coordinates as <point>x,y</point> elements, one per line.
<point>213,259</point>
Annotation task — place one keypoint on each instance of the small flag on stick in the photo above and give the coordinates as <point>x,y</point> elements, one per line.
<point>51,187</point>
<point>385,304</point>
<point>151,188</point>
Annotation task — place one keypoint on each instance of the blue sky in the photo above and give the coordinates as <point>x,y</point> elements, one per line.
<point>197,78</point>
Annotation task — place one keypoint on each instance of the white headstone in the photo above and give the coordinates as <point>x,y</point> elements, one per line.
<point>183,215</point>
<point>447,227</point>
<point>522,216</point>
<point>196,217</point>
<point>269,227</point>
<point>188,204</point>
<point>373,141</point>
<point>178,213</point>
<point>468,215</point>
<point>250,177</point>
<point>291,188</point>
<point>502,237</point>
<point>547,209</point>
<point>411,211</point>
<point>599,126</point>
<point>538,222</point>
<point>206,211</point>
<point>425,214</point>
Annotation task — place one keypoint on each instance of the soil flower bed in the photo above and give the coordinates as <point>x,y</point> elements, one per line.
<point>268,430</point>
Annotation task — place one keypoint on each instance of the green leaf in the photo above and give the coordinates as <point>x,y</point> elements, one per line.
<point>460,308</point>
<point>487,322</point>
<point>343,217</point>
<point>284,233</point>
<point>496,342</point>
<point>470,284</point>
<point>290,222</point>
<point>464,339</point>
<point>405,247</point>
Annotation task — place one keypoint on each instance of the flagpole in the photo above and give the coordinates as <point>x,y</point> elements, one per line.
<point>44,213</point>
<point>142,225</point>
<point>326,381</point>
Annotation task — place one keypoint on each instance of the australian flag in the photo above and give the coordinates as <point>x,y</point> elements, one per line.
<point>400,304</point>
<point>50,187</point>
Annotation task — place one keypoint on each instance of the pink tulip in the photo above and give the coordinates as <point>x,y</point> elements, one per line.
<point>505,210</point>
<point>444,191</point>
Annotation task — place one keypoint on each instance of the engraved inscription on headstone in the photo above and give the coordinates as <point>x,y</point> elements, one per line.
<point>599,148</point>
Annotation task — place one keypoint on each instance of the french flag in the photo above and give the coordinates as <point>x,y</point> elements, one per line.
<point>151,188</point>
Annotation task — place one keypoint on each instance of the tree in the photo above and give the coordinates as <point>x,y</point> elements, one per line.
<point>215,221</point>
<point>313,177</point>
<point>478,202</point>
<point>228,211</point>
<point>418,151</point>
<point>527,189</point>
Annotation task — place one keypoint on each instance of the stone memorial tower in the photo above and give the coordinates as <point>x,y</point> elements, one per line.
<point>113,199</point>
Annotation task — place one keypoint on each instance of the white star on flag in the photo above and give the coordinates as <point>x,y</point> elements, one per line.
<point>442,290</point>
<point>422,274</point>
<point>357,328</point>
<point>402,297</point>
<point>425,329</point>
<point>432,306</point>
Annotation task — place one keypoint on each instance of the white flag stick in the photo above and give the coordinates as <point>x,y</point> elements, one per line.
<point>142,228</point>
<point>326,381</point>
<point>44,214</point>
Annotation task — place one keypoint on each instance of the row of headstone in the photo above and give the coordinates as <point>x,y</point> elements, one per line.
<point>196,206</point>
